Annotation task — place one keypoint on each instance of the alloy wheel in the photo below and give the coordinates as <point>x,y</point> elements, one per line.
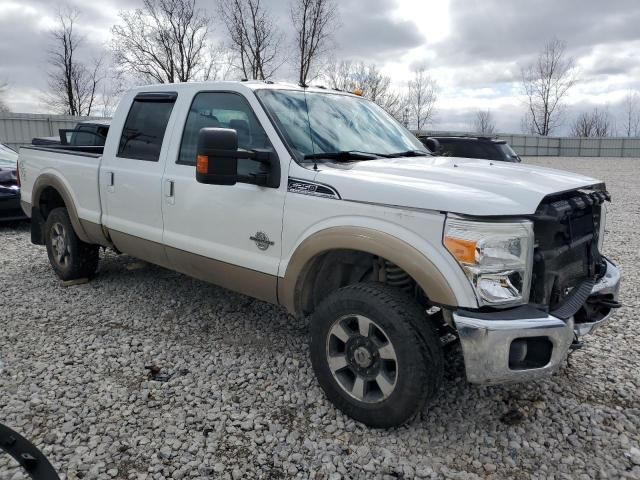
<point>362,358</point>
<point>60,244</point>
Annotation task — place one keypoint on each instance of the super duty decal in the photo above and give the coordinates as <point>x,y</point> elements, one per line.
<point>306,187</point>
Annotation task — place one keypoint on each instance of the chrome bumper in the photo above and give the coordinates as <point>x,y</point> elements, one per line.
<point>487,341</point>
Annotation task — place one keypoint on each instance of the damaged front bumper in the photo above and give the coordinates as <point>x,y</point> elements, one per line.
<point>526,343</point>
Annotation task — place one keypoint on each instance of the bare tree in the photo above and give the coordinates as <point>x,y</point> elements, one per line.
<point>73,85</point>
<point>484,123</point>
<point>596,123</point>
<point>113,87</point>
<point>255,39</point>
<point>313,22</point>
<point>421,101</point>
<point>340,75</point>
<point>4,87</point>
<point>353,76</point>
<point>545,83</point>
<point>165,41</point>
<point>220,64</point>
<point>631,106</point>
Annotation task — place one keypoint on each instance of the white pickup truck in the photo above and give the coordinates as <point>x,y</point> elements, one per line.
<point>319,201</point>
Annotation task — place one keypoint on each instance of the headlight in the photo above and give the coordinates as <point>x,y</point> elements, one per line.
<point>496,257</point>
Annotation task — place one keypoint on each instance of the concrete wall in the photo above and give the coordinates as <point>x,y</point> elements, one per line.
<point>535,146</point>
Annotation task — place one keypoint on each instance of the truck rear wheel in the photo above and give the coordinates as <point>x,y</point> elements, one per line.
<point>374,354</point>
<point>69,256</point>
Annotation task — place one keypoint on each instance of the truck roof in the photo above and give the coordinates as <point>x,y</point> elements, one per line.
<point>249,84</point>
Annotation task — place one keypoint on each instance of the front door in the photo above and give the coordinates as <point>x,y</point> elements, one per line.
<point>227,234</point>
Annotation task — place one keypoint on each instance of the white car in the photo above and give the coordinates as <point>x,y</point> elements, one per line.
<point>320,201</point>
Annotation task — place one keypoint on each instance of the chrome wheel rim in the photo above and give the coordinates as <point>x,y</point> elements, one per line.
<point>362,358</point>
<point>60,245</point>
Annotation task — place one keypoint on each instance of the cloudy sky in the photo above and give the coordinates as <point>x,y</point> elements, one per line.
<point>473,48</point>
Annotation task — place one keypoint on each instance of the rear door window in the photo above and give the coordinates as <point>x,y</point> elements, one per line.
<point>145,126</point>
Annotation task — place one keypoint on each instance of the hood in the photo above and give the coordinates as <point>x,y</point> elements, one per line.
<point>457,185</point>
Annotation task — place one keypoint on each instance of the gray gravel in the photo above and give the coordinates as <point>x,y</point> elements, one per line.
<point>232,395</point>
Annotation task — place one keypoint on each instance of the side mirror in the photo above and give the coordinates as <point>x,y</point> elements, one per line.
<point>217,160</point>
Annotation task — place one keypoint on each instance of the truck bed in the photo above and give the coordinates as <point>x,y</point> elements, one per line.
<point>77,169</point>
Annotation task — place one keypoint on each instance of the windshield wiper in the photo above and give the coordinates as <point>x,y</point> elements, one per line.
<point>410,153</point>
<point>343,156</point>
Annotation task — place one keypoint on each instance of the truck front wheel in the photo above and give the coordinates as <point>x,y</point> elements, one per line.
<point>374,354</point>
<point>69,256</point>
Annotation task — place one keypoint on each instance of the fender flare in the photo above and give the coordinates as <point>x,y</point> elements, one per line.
<point>368,240</point>
<point>49,180</point>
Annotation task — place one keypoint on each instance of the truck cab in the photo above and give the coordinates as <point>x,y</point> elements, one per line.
<point>319,201</point>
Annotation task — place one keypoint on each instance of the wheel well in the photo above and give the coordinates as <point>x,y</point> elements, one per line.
<point>335,269</point>
<point>49,199</point>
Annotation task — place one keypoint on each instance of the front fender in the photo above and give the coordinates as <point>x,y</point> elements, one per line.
<point>440,281</point>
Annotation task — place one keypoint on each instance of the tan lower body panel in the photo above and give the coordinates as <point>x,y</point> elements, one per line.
<point>137,247</point>
<point>239,279</point>
<point>95,233</point>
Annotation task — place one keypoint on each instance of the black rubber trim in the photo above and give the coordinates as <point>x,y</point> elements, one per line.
<point>27,455</point>
<point>575,300</point>
<point>524,311</point>
<point>156,97</point>
<point>67,150</point>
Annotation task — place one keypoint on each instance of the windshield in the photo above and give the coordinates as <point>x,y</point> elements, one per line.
<point>315,123</point>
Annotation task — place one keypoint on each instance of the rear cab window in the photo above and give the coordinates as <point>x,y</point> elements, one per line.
<point>145,126</point>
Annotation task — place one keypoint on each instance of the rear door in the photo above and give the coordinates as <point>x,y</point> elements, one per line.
<point>131,177</point>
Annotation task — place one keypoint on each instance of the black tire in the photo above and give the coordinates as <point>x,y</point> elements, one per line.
<point>419,361</point>
<point>78,259</point>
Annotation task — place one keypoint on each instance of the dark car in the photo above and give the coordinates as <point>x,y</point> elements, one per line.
<point>9,190</point>
<point>85,133</point>
<point>471,147</point>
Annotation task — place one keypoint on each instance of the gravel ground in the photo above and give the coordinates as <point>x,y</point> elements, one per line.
<point>232,394</point>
